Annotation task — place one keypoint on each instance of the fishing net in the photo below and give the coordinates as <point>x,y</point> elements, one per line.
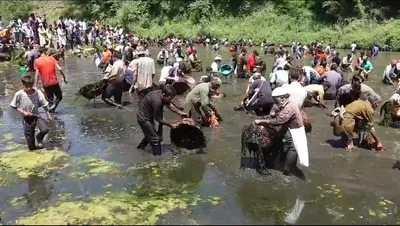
<point>91,91</point>
<point>306,122</point>
<point>257,147</point>
<point>386,113</point>
<point>188,135</point>
<point>180,87</point>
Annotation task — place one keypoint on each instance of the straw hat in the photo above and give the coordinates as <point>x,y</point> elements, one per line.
<point>217,58</point>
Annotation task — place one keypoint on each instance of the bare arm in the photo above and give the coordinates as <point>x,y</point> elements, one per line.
<point>36,78</point>
<point>173,108</point>
<point>61,72</point>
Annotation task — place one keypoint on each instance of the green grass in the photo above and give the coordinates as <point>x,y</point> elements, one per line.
<point>266,24</point>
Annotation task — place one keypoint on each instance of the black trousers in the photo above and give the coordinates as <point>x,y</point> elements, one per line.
<point>151,136</point>
<point>29,125</point>
<point>51,92</point>
<point>113,90</point>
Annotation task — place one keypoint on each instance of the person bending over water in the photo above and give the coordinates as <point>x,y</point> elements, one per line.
<point>198,101</point>
<point>286,114</point>
<point>151,109</point>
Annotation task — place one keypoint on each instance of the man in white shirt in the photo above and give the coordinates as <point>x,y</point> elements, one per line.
<point>144,73</point>
<point>115,82</point>
<point>390,73</point>
<point>216,64</point>
<point>296,91</point>
<point>280,76</point>
<point>165,73</point>
<point>353,47</point>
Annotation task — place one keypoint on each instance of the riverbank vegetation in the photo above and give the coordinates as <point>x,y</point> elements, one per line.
<point>338,22</point>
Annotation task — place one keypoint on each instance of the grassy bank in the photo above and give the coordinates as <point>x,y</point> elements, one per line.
<point>283,29</point>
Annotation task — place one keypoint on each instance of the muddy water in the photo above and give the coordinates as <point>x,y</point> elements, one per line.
<point>340,187</point>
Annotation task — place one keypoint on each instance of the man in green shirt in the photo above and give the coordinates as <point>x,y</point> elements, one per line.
<point>365,67</point>
<point>198,100</point>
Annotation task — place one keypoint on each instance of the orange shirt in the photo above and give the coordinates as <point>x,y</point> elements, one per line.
<point>106,56</point>
<point>321,56</point>
<point>321,70</point>
<point>47,69</point>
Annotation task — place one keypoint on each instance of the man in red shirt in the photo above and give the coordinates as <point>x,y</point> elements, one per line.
<point>251,61</point>
<point>46,66</point>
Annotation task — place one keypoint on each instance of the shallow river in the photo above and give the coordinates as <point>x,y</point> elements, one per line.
<point>340,187</point>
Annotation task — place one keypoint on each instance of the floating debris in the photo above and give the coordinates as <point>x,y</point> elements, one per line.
<point>27,163</point>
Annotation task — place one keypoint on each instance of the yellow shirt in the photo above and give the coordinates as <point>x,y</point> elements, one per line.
<point>316,90</point>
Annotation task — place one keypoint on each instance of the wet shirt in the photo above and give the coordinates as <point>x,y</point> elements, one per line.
<point>30,103</point>
<point>46,65</point>
<point>334,78</point>
<point>263,91</point>
<point>288,115</point>
<point>151,107</point>
<point>362,110</point>
<point>199,94</point>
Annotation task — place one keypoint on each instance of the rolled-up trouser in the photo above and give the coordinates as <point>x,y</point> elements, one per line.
<point>29,124</point>
<point>114,89</point>
<point>51,92</point>
<point>151,136</point>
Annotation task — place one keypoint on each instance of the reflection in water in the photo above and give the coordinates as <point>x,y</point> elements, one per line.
<point>191,172</point>
<point>38,191</point>
<point>293,215</point>
<point>57,133</point>
<point>102,125</point>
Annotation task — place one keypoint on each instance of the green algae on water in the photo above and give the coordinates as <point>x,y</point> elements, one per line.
<point>113,208</point>
<point>13,146</point>
<point>95,167</point>
<point>27,163</point>
<point>8,137</point>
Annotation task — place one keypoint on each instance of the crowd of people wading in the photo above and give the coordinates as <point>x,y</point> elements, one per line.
<point>277,96</point>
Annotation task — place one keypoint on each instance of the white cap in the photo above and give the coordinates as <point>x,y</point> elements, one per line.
<point>218,58</point>
<point>280,91</point>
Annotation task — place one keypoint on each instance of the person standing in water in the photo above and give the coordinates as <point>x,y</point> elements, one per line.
<point>151,109</point>
<point>46,66</point>
<point>27,102</point>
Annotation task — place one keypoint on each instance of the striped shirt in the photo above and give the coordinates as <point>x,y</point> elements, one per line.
<point>29,103</point>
